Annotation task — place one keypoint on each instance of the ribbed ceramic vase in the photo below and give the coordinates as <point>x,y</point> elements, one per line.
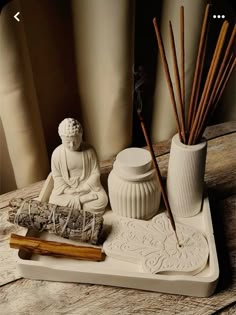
<point>132,185</point>
<point>185,178</point>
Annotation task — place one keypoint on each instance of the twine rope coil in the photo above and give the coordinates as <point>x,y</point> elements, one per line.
<point>66,223</point>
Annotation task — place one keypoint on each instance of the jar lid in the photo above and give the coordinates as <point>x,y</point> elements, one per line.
<point>133,163</point>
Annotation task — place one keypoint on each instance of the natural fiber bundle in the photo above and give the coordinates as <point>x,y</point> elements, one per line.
<point>69,223</point>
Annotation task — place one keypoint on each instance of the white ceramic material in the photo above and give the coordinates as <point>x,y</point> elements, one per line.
<point>153,245</point>
<point>185,178</point>
<point>132,185</point>
<point>125,274</point>
<point>75,171</point>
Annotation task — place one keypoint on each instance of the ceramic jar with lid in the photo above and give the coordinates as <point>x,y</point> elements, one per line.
<point>132,185</point>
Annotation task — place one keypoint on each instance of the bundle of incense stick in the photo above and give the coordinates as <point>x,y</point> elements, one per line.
<point>203,100</point>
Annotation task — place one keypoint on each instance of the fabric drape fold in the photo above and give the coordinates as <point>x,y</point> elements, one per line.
<point>104,32</point>
<point>76,59</point>
<point>18,104</point>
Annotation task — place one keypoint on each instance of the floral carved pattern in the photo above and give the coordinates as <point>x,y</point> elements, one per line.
<point>153,245</point>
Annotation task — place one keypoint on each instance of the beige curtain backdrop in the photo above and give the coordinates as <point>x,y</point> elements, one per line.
<point>163,121</point>
<point>163,117</point>
<point>104,43</point>
<point>75,59</point>
<point>23,151</point>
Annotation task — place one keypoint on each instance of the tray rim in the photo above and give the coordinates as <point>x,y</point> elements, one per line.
<point>210,281</point>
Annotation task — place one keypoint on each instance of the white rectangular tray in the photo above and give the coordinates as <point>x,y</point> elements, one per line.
<point>124,274</point>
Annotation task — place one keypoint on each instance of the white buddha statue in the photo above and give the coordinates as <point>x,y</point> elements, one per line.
<point>75,171</point>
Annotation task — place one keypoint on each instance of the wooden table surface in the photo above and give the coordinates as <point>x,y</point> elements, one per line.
<point>22,296</point>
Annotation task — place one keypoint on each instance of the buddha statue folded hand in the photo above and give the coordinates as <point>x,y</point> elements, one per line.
<point>76,172</point>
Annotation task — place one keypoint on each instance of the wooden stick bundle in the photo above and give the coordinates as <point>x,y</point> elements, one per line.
<point>56,249</point>
<point>167,73</point>
<point>207,87</point>
<point>217,95</point>
<point>66,222</point>
<point>203,104</point>
<point>198,67</point>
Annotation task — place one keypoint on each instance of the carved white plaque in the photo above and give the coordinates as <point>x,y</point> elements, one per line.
<point>153,245</point>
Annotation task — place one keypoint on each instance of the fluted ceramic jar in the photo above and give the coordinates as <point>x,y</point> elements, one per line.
<point>132,185</point>
<point>185,178</point>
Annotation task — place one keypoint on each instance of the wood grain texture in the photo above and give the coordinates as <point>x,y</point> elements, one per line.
<point>30,297</point>
<point>163,147</point>
<point>57,249</point>
<point>230,310</point>
<point>31,191</point>
<point>8,257</point>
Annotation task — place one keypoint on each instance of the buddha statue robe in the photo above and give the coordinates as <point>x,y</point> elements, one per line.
<point>73,170</point>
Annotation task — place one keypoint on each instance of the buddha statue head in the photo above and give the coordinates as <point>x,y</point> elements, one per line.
<point>70,132</point>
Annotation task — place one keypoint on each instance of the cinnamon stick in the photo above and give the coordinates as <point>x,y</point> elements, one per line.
<point>56,249</point>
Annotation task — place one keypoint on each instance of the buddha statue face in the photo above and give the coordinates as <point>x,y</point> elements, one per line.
<point>71,132</point>
<point>72,143</point>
